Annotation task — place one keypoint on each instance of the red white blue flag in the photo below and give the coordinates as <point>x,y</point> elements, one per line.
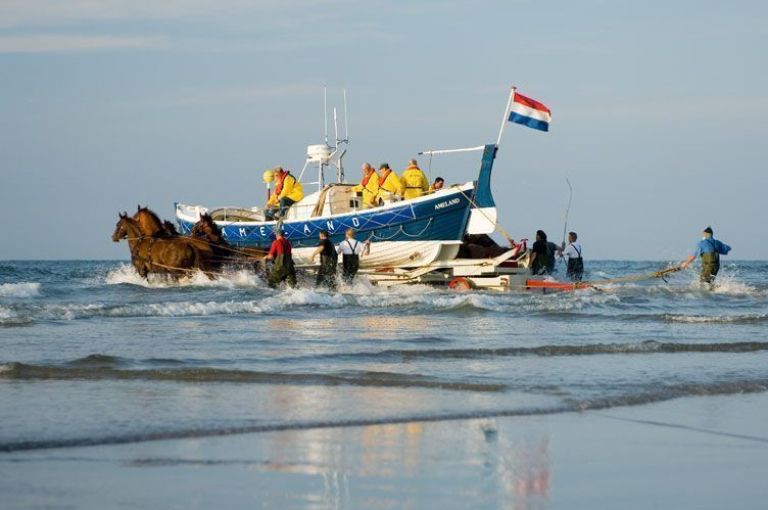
<point>529,112</point>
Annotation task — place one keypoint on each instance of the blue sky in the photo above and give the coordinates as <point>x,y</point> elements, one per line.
<point>659,110</point>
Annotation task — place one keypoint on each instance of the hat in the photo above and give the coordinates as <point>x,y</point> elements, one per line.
<point>708,230</point>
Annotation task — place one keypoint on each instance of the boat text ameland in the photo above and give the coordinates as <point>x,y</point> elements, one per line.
<point>402,232</point>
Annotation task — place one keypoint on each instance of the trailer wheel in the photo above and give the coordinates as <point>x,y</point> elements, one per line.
<point>461,284</point>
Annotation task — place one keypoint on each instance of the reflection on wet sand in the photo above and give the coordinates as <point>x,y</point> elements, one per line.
<point>349,461</point>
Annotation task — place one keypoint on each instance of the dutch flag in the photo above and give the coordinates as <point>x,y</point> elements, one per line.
<point>529,112</point>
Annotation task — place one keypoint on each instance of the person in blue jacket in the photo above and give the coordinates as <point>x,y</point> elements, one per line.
<point>709,249</point>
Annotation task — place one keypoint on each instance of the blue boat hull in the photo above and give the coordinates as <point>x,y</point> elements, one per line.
<point>443,218</point>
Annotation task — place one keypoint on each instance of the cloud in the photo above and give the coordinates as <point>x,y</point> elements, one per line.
<point>48,43</point>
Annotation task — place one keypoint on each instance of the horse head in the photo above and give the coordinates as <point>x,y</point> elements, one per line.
<point>170,229</point>
<point>149,222</point>
<point>121,230</point>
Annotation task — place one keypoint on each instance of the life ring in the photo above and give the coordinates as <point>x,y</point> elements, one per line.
<point>461,284</point>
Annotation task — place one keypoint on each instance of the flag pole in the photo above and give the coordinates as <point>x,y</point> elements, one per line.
<point>506,113</point>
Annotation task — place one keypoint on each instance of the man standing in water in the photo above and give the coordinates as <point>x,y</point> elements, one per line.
<point>282,261</point>
<point>709,249</point>
<point>351,251</point>
<point>572,253</point>
<point>326,275</point>
<point>542,254</point>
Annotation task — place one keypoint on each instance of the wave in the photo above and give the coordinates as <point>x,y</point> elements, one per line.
<point>641,397</point>
<point>648,347</point>
<point>100,369</point>
<point>20,290</point>
<point>717,319</point>
<point>126,274</point>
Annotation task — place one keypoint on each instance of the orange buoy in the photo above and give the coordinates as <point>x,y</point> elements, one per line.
<point>461,284</point>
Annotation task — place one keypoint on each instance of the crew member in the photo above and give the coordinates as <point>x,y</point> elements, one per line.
<point>287,192</point>
<point>709,249</point>
<point>438,184</point>
<point>389,185</point>
<point>572,253</point>
<point>542,254</point>
<point>326,275</point>
<point>413,181</point>
<point>351,250</point>
<point>369,186</point>
<point>282,262</point>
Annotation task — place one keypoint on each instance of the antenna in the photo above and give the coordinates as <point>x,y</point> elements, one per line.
<point>325,113</point>
<point>336,126</point>
<point>346,120</point>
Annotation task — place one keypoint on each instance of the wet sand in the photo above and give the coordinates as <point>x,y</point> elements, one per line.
<point>697,452</point>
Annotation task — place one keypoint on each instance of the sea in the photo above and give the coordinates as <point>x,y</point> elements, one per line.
<point>90,354</point>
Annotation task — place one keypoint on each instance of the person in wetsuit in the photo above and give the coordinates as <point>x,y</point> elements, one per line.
<point>542,255</point>
<point>329,258</point>
<point>282,262</point>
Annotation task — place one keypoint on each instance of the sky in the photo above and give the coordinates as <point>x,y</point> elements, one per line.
<point>659,111</point>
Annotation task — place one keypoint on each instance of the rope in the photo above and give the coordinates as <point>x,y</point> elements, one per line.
<point>638,277</point>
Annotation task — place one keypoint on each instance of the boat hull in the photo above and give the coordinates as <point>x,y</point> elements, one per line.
<point>402,234</point>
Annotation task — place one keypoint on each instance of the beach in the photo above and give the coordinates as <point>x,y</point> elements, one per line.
<point>695,452</point>
<point>117,392</point>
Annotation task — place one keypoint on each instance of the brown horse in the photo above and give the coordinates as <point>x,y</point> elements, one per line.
<point>151,224</point>
<point>156,255</point>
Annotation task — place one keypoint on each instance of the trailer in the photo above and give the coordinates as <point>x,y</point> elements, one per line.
<point>503,274</point>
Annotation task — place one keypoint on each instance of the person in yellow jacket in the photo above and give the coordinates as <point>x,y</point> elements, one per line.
<point>413,181</point>
<point>369,186</point>
<point>389,184</point>
<point>287,192</point>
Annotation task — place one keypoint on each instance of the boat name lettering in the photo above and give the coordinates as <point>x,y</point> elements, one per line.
<point>307,230</point>
<point>355,222</point>
<point>242,232</point>
<point>447,203</point>
<point>263,231</point>
<point>330,226</point>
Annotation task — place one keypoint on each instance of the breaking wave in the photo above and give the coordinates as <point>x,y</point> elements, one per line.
<point>125,274</point>
<point>717,319</point>
<point>19,290</point>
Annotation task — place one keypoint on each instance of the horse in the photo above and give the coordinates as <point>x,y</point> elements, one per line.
<point>157,255</point>
<point>151,224</point>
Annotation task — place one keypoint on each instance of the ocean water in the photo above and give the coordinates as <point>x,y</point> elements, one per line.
<point>90,354</point>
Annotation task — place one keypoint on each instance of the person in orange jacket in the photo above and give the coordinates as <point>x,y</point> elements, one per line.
<point>389,184</point>
<point>287,192</point>
<point>369,186</point>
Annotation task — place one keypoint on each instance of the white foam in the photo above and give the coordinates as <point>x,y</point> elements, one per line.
<point>714,319</point>
<point>20,290</point>
<point>6,314</point>
<point>126,274</point>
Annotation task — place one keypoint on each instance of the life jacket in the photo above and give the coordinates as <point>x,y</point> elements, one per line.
<point>279,182</point>
<point>383,178</point>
